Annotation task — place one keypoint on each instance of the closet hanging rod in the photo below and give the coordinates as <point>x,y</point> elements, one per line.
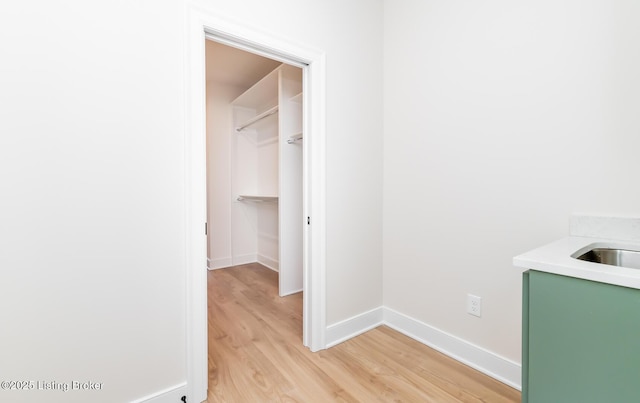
<point>257,198</point>
<point>294,138</point>
<point>258,118</point>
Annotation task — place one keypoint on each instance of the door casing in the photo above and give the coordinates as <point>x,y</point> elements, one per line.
<point>203,25</point>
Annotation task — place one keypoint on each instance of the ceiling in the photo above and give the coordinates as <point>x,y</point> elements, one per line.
<point>234,66</point>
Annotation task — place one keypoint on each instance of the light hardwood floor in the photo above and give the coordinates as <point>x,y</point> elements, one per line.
<point>256,355</point>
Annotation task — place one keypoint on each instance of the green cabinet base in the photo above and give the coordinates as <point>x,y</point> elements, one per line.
<point>581,341</point>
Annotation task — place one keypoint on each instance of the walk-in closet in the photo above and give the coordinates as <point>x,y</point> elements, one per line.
<point>254,164</point>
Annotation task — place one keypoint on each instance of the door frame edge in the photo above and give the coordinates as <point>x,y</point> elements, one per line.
<point>201,24</point>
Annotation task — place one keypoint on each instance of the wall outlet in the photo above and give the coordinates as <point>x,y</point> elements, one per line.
<point>474,305</point>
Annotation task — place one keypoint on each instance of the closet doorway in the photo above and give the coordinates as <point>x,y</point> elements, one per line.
<point>203,26</point>
<point>254,121</point>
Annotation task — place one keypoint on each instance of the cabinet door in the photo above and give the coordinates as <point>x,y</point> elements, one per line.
<point>583,341</point>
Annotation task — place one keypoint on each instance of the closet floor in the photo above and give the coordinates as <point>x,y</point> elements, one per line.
<point>256,354</point>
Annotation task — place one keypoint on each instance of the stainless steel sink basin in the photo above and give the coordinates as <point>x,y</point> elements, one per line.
<point>612,256</point>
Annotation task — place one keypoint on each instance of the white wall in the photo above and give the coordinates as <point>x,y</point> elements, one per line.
<point>92,233</point>
<point>92,172</point>
<point>219,127</point>
<point>501,119</point>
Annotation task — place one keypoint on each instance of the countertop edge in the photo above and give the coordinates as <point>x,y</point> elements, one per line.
<point>555,258</point>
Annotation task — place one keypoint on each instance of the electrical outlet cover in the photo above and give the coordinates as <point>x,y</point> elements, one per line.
<point>474,305</point>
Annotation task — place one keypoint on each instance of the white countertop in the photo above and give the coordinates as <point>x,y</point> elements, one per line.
<point>556,258</point>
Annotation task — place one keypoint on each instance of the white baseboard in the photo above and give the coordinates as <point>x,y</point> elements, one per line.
<point>244,259</point>
<point>491,364</point>
<point>219,263</point>
<point>487,362</point>
<point>268,262</point>
<point>349,328</point>
<point>218,268</point>
<point>291,292</point>
<point>169,395</point>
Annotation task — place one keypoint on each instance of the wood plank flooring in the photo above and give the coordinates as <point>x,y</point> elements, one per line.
<point>256,355</point>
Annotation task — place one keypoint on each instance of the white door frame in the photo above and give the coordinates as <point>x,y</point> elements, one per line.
<point>202,24</point>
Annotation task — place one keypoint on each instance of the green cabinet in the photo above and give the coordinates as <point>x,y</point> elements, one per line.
<point>581,341</point>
